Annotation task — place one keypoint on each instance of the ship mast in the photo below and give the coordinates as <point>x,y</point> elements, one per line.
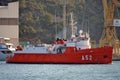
<point>64,20</point>
<point>72,35</point>
<point>55,25</point>
<point>73,27</point>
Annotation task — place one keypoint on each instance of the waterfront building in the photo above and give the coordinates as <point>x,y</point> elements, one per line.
<point>9,20</point>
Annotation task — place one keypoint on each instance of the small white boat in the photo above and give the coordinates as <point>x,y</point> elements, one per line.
<point>6,48</point>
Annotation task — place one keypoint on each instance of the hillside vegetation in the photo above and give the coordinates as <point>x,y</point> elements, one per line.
<point>37,18</point>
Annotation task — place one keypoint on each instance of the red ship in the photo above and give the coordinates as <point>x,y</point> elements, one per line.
<point>75,51</point>
<point>70,56</point>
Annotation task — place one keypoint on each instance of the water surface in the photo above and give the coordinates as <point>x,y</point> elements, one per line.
<point>59,71</point>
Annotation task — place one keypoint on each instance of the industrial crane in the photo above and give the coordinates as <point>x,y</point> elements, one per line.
<point>109,36</point>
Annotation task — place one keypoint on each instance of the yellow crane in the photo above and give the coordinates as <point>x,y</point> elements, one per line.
<point>109,36</point>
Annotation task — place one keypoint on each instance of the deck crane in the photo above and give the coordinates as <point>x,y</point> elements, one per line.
<point>109,36</point>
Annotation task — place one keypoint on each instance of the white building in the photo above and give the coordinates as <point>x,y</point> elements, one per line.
<point>9,22</point>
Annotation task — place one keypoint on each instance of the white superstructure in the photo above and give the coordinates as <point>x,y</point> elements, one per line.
<point>80,42</point>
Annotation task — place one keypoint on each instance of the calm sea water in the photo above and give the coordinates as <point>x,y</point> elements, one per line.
<point>59,71</point>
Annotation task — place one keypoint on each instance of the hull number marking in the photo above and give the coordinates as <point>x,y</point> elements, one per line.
<point>86,57</point>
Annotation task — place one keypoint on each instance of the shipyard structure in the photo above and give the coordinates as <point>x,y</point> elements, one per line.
<point>9,20</point>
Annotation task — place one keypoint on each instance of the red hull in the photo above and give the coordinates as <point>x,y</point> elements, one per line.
<point>87,56</point>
